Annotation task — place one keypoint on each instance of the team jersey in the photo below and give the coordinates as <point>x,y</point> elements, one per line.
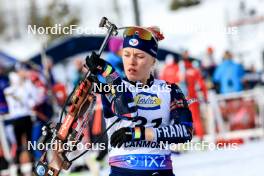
<point>160,106</point>
<point>20,98</point>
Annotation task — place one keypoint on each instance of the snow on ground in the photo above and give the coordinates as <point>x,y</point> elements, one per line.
<point>246,161</point>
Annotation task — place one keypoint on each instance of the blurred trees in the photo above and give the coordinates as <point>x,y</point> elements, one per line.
<point>57,13</point>
<point>2,22</point>
<point>136,12</point>
<point>177,4</point>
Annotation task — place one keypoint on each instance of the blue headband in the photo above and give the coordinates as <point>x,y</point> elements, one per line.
<point>149,46</point>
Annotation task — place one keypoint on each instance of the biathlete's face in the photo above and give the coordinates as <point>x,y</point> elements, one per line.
<point>137,64</point>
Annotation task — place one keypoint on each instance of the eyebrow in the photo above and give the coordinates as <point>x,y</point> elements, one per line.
<point>137,53</point>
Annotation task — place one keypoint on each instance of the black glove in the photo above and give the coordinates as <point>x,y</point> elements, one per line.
<point>124,107</point>
<point>95,64</point>
<point>127,134</point>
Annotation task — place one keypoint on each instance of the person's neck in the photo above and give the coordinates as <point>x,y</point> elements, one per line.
<point>145,80</point>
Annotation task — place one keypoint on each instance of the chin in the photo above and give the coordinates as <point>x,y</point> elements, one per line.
<point>132,78</point>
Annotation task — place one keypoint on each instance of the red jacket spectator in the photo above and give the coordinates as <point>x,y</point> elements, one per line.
<point>170,70</point>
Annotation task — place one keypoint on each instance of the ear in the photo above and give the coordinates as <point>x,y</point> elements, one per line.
<point>154,61</point>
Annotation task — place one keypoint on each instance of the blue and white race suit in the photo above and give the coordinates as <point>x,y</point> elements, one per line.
<point>160,106</point>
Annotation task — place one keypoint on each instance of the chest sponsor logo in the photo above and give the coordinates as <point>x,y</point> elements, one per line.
<point>147,101</point>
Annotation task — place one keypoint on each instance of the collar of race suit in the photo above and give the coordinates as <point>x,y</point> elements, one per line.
<point>150,81</point>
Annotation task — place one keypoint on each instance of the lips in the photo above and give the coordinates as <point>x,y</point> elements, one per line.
<point>132,70</point>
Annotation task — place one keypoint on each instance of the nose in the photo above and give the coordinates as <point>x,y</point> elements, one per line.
<point>132,60</point>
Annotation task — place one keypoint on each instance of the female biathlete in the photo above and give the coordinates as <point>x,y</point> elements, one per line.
<point>151,112</point>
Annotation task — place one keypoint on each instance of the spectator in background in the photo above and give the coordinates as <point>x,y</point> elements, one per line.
<point>78,74</point>
<point>56,91</point>
<point>21,97</point>
<point>4,83</point>
<point>194,84</point>
<point>42,109</point>
<point>229,75</point>
<point>252,78</point>
<point>208,66</point>
<point>170,70</point>
<point>208,62</point>
<point>48,71</point>
<point>114,56</point>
